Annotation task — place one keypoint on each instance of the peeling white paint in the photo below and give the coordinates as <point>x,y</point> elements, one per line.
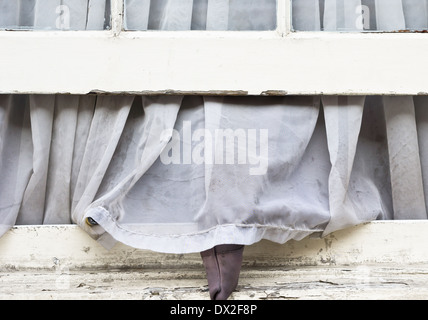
<point>377,260</point>
<point>191,62</point>
<point>379,242</point>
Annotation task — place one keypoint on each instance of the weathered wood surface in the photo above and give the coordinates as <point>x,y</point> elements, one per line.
<point>380,260</point>
<point>302,283</point>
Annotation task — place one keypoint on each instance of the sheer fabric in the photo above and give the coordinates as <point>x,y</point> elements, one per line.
<point>200,15</point>
<point>182,174</point>
<point>360,15</point>
<point>54,151</point>
<point>55,14</point>
<point>156,173</point>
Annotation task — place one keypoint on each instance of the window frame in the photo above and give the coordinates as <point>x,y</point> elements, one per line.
<point>151,62</point>
<point>279,62</point>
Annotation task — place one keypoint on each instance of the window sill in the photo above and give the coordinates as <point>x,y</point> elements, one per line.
<point>378,260</point>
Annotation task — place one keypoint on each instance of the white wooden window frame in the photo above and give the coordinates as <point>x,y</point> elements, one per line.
<point>278,62</point>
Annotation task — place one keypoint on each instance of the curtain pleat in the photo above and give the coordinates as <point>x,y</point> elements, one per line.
<point>177,15</point>
<point>54,14</point>
<point>421,115</point>
<point>33,204</point>
<point>218,15</point>
<point>200,15</point>
<point>106,127</point>
<point>416,14</point>
<point>343,116</point>
<point>12,16</point>
<point>341,15</point>
<point>390,15</point>
<point>16,157</point>
<point>306,15</point>
<point>360,15</point>
<point>405,165</point>
<point>137,14</point>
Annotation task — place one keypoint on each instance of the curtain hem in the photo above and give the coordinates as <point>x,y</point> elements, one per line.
<point>244,234</point>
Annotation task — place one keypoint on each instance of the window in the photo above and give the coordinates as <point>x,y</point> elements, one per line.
<point>54,15</point>
<point>188,54</point>
<point>360,15</point>
<point>232,62</point>
<point>220,15</point>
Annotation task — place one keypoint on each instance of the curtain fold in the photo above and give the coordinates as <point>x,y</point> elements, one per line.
<point>218,15</point>
<point>343,116</point>
<point>182,174</point>
<point>306,15</point>
<point>55,14</point>
<point>341,15</point>
<point>16,151</point>
<point>360,15</point>
<point>404,155</point>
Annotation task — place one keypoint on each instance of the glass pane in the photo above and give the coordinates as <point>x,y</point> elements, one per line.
<point>221,15</point>
<point>360,15</point>
<point>54,14</point>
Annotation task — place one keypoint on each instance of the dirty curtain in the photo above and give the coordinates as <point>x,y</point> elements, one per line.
<point>181,174</point>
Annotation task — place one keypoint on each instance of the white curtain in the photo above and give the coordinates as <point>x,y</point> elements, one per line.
<point>182,174</point>
<point>160,173</point>
<point>200,14</point>
<point>54,14</point>
<point>360,15</point>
